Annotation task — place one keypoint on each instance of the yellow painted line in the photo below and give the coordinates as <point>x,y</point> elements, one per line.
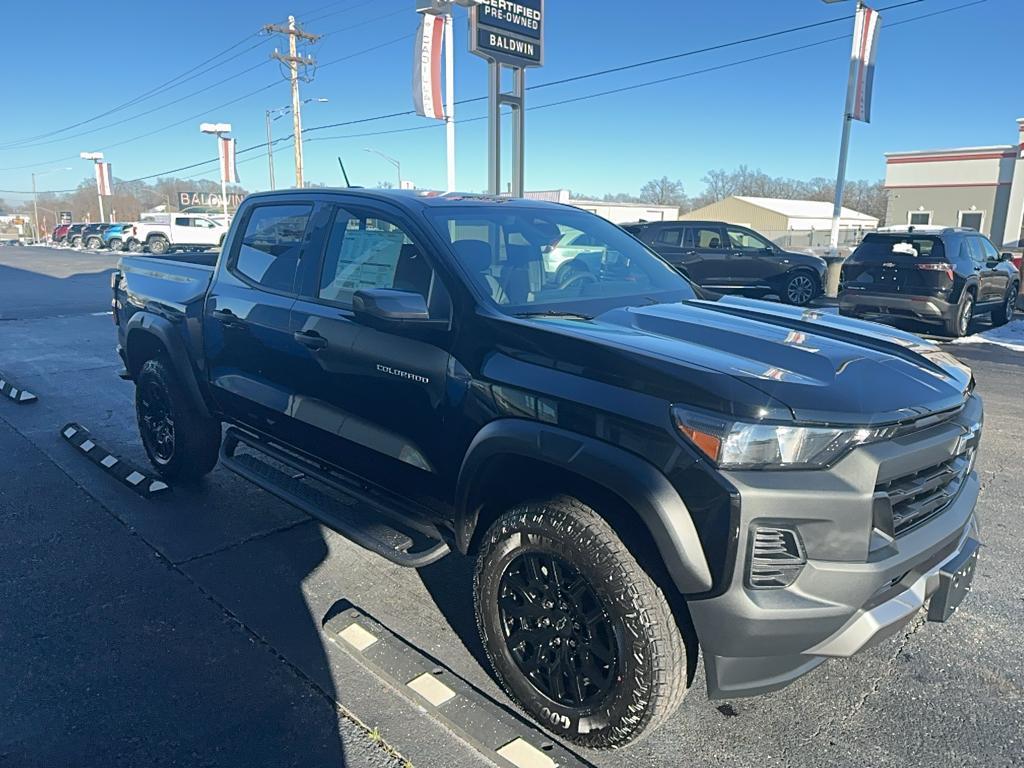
<point>430,688</point>
<point>523,754</point>
<point>357,637</point>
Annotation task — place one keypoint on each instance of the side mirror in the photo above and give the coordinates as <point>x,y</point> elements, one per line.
<point>388,307</point>
<point>1006,257</point>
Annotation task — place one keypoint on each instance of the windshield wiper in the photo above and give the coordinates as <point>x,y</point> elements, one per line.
<point>555,313</point>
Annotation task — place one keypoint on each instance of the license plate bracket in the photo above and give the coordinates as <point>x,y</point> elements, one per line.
<point>955,580</point>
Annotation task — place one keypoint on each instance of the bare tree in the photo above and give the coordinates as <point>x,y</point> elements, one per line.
<point>663,191</point>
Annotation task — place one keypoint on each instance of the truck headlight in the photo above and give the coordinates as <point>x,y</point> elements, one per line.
<point>764,445</point>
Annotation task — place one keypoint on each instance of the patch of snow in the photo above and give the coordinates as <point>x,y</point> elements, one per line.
<point>1010,336</point>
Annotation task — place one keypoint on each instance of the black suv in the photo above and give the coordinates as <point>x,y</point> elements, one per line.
<point>734,259</point>
<point>635,469</point>
<point>74,235</point>
<point>92,235</point>
<point>932,274</point>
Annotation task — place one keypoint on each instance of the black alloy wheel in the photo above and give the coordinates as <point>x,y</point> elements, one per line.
<point>156,421</point>
<point>799,289</point>
<point>963,320</point>
<point>557,630</point>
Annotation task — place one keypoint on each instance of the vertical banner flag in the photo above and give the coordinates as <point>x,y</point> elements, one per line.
<point>228,171</point>
<point>865,44</point>
<point>426,73</point>
<point>103,185</point>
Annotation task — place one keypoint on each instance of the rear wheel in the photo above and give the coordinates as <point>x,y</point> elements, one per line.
<point>134,246</point>
<point>94,243</point>
<point>114,243</point>
<point>577,633</point>
<point>959,324</point>
<point>158,245</point>
<point>76,241</point>
<point>1002,315</point>
<point>181,443</point>
<point>799,289</point>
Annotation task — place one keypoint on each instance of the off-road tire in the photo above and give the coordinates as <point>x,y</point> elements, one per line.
<point>158,245</point>
<point>651,659</point>
<point>1002,315</point>
<point>955,325</point>
<point>196,438</point>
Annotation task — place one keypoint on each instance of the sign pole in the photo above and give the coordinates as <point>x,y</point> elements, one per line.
<point>494,127</point>
<point>449,96</point>
<point>518,130</point>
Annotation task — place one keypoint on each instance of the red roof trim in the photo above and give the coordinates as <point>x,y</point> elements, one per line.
<point>933,186</point>
<point>943,158</point>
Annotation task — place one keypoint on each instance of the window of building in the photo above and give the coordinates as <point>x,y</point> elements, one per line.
<point>919,218</point>
<point>972,220</point>
<point>269,253</point>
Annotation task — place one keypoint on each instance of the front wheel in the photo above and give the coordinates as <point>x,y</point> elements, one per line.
<point>577,633</point>
<point>181,443</point>
<point>114,244</point>
<point>1004,313</point>
<point>134,246</point>
<point>958,325</point>
<point>799,289</point>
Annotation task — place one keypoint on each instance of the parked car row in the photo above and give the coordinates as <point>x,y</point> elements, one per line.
<point>180,231</point>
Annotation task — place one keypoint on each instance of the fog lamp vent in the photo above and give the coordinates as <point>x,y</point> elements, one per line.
<point>776,558</point>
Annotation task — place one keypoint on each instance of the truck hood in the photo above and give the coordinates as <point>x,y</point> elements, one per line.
<point>822,367</point>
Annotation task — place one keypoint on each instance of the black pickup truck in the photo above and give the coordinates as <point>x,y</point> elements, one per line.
<point>639,469</point>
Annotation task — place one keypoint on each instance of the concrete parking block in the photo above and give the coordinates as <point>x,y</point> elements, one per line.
<point>143,484</point>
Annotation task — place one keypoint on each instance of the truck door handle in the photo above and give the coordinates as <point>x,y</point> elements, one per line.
<point>310,339</point>
<point>227,317</point>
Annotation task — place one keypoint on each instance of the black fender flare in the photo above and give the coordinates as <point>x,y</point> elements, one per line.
<point>160,328</point>
<point>646,490</point>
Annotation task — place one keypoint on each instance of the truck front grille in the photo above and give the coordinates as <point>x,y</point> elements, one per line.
<point>916,497</point>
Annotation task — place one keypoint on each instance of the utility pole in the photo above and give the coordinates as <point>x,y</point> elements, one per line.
<point>270,154</point>
<point>294,61</point>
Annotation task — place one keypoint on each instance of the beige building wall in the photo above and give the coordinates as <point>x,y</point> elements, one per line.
<point>735,211</point>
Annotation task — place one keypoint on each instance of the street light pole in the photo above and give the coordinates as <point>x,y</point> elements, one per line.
<point>35,198</point>
<point>390,159</point>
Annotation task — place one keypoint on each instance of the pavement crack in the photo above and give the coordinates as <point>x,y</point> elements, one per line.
<point>245,540</point>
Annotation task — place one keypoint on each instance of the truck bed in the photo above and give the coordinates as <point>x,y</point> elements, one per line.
<point>171,282</point>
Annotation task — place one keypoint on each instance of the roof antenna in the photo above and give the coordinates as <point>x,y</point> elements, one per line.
<point>343,174</point>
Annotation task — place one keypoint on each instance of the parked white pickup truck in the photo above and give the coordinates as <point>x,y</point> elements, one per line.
<point>183,230</point>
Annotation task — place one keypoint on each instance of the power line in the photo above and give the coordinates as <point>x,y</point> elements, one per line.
<point>550,104</point>
<point>21,143</point>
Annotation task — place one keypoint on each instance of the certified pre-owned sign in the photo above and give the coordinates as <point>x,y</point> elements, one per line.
<point>508,31</point>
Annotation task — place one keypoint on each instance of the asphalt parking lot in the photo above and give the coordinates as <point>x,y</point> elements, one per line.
<point>188,630</point>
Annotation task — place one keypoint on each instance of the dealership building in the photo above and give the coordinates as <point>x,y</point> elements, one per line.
<point>977,187</point>
<point>620,213</point>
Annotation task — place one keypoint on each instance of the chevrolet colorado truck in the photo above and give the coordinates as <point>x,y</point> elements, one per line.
<point>642,471</point>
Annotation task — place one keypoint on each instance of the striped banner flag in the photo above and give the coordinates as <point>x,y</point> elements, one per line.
<point>103,185</point>
<point>426,71</point>
<point>865,45</point>
<point>228,169</point>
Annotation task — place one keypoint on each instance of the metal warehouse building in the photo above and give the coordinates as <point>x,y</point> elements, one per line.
<point>620,213</point>
<point>977,187</point>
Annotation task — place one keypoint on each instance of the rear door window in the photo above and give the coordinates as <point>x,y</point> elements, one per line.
<point>703,237</point>
<point>271,244</point>
<point>670,236</point>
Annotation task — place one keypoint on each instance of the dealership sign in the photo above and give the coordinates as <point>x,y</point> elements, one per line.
<point>207,199</point>
<point>65,217</point>
<point>508,31</point>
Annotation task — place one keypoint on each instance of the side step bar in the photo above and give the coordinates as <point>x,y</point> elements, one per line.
<point>397,534</point>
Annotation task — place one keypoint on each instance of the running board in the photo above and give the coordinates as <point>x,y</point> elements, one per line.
<point>395,533</point>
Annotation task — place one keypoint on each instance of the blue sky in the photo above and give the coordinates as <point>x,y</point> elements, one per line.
<point>949,80</point>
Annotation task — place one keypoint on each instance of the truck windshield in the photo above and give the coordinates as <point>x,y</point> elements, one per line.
<point>555,261</point>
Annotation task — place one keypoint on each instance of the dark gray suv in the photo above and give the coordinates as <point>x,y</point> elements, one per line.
<point>732,259</point>
<point>941,275</point>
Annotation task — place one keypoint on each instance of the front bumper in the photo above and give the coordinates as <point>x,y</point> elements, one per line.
<point>858,585</point>
<point>864,304</point>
